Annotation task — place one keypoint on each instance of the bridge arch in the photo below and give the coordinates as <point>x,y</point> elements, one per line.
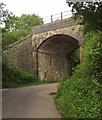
<point>59,43</point>
<point>32,52</point>
<point>52,43</point>
<point>53,56</point>
<point>72,31</point>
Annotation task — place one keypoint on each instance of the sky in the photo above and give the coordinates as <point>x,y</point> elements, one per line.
<point>42,8</point>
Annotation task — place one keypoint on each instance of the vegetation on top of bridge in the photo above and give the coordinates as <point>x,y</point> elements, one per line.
<point>81,95</point>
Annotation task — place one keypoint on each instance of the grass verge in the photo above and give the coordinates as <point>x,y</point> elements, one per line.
<point>81,95</point>
<point>12,78</point>
<point>80,98</point>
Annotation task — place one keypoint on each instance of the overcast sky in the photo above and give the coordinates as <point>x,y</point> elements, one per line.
<point>42,8</point>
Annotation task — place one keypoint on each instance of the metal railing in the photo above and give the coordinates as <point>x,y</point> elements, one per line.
<point>58,16</point>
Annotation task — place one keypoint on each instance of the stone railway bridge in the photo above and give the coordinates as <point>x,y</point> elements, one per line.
<point>45,53</point>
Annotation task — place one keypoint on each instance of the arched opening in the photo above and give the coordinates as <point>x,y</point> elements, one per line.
<point>54,57</point>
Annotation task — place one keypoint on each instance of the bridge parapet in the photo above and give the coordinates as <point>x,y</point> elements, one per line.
<point>57,16</point>
<point>58,24</point>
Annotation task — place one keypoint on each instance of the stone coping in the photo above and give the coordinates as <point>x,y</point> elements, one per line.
<point>17,42</point>
<point>58,24</point>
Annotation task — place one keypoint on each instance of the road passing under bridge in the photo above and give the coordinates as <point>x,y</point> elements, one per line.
<point>30,102</point>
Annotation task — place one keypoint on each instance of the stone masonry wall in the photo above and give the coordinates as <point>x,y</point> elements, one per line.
<point>24,54</point>
<point>58,24</point>
<point>72,31</point>
<point>19,55</point>
<point>53,66</point>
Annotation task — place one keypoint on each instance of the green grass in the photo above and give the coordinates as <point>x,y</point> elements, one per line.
<point>13,78</point>
<point>81,95</point>
<point>10,37</point>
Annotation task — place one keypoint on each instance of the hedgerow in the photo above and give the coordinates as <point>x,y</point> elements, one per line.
<point>80,96</point>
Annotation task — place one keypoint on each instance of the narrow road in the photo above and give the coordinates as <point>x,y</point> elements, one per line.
<point>30,102</point>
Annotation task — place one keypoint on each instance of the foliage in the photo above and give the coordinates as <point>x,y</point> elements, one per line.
<point>80,96</point>
<point>93,54</point>
<point>11,37</point>
<point>12,78</point>
<point>74,59</point>
<point>4,14</point>
<point>17,27</point>
<point>91,14</point>
<point>21,23</point>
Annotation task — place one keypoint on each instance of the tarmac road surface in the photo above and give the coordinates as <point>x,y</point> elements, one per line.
<point>30,102</point>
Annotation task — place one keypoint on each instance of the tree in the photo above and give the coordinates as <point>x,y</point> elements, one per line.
<point>4,14</point>
<point>23,22</point>
<point>27,21</point>
<point>13,22</point>
<point>10,24</point>
<point>16,27</point>
<point>91,13</point>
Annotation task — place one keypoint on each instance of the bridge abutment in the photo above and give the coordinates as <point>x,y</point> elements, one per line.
<point>53,66</point>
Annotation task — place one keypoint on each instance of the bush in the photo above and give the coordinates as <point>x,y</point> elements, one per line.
<point>13,78</point>
<point>11,37</point>
<point>93,54</point>
<point>74,59</point>
<point>80,96</point>
<point>16,78</point>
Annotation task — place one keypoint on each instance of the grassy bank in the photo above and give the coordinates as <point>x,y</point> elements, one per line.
<point>12,78</point>
<point>81,95</point>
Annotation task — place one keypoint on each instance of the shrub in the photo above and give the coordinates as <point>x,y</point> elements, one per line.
<point>15,78</point>
<point>11,37</point>
<point>74,59</point>
<point>93,54</point>
<point>80,96</point>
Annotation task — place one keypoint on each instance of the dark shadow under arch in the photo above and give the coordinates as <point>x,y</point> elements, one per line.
<point>53,60</point>
<point>59,43</point>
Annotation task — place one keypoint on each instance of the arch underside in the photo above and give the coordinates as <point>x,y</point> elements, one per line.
<point>53,57</point>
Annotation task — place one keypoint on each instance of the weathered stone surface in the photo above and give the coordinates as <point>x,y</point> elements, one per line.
<point>52,67</point>
<point>72,31</point>
<point>19,55</point>
<point>46,53</point>
<point>52,48</point>
<point>55,25</point>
